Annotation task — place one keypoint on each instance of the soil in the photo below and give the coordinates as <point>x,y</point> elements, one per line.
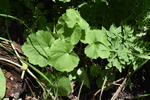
<point>140,82</point>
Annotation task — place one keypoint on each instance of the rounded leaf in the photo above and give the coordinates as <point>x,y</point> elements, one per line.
<point>2,84</point>
<point>96,36</point>
<point>37,46</point>
<point>61,56</point>
<point>72,17</point>
<point>97,50</point>
<point>64,87</point>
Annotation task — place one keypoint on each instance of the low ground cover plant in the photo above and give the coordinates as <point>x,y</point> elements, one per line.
<point>75,40</point>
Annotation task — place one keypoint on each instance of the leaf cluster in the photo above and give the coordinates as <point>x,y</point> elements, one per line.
<point>56,44</point>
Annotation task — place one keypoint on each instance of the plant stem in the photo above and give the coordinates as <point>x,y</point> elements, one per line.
<point>103,87</point>
<point>10,62</point>
<point>80,89</point>
<point>39,72</point>
<point>7,31</point>
<point>28,72</point>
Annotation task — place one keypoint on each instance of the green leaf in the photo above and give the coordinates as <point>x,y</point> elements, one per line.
<point>115,30</point>
<point>64,87</point>
<point>50,76</point>
<point>105,1</point>
<point>97,50</point>
<point>63,84</point>
<point>145,56</point>
<point>105,73</point>
<point>116,43</point>
<point>72,17</point>
<point>135,65</point>
<point>61,21</point>
<point>95,70</point>
<point>72,35</point>
<point>64,30</point>
<point>112,56</point>
<point>71,77</point>
<point>83,35</point>
<point>97,36</point>
<point>61,56</point>
<point>98,44</point>
<point>123,56</point>
<point>64,1</point>
<point>109,65</point>
<point>37,46</point>
<point>2,84</point>
<point>109,33</point>
<point>127,32</point>
<point>117,64</point>
<point>76,35</point>
<point>83,76</point>
<point>99,82</point>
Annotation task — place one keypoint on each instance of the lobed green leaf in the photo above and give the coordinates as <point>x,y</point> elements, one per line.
<point>61,56</point>
<point>72,17</point>
<point>37,46</point>
<point>98,44</point>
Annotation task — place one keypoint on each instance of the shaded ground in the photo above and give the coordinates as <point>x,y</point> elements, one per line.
<point>140,81</point>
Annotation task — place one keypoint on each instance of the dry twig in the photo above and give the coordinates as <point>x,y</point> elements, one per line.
<point>120,88</point>
<point>109,84</point>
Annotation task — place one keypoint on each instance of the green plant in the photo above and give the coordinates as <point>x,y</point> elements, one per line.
<point>56,49</point>
<point>72,44</point>
<point>24,65</point>
<point>2,84</point>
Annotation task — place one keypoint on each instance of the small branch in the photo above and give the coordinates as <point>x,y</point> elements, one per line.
<point>28,72</point>
<point>10,62</point>
<point>80,89</point>
<point>113,83</point>
<point>120,88</point>
<point>30,88</point>
<point>103,87</point>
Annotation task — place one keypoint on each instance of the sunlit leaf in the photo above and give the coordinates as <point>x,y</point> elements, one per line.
<point>72,35</point>
<point>98,44</point>
<point>97,50</point>
<point>115,30</point>
<point>2,84</point>
<point>61,56</point>
<point>117,64</point>
<point>37,46</point>
<point>64,1</point>
<point>72,17</point>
